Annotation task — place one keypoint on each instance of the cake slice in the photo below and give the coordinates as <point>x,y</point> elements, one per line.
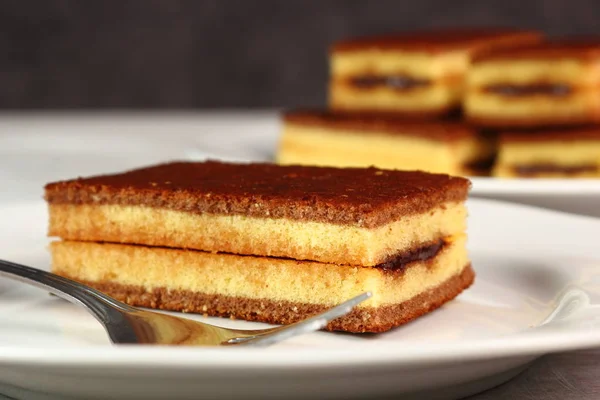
<point>416,73</point>
<point>547,84</point>
<point>350,140</point>
<point>570,153</point>
<point>355,216</point>
<point>272,290</point>
<point>202,237</point>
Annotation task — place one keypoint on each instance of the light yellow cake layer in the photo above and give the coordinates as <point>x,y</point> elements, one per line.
<point>387,62</point>
<point>489,105</point>
<point>569,153</point>
<point>343,244</point>
<point>313,145</point>
<point>429,98</point>
<point>561,71</point>
<point>253,277</point>
<point>559,153</point>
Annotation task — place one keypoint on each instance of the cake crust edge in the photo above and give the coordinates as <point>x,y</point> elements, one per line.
<point>360,320</point>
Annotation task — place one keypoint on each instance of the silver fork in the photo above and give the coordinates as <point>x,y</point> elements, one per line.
<point>129,325</point>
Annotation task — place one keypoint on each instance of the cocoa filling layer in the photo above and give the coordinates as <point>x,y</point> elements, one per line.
<point>396,82</point>
<point>396,263</point>
<point>424,253</point>
<point>481,165</point>
<point>534,169</point>
<point>547,89</point>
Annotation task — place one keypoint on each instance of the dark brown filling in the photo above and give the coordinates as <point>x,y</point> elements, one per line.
<point>424,253</point>
<point>530,170</point>
<point>396,82</point>
<point>547,89</point>
<point>395,263</point>
<point>483,165</point>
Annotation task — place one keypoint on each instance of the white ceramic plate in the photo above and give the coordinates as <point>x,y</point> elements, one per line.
<point>537,291</point>
<point>579,196</point>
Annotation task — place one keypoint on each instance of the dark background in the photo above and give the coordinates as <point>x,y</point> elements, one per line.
<point>219,54</point>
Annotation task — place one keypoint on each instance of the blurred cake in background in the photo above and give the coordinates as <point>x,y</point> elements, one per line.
<point>419,73</point>
<point>544,84</point>
<point>565,153</point>
<point>353,140</point>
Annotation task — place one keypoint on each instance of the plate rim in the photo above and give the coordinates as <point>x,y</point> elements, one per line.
<point>535,186</point>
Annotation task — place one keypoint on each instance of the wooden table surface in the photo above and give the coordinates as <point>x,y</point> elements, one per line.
<point>563,376</point>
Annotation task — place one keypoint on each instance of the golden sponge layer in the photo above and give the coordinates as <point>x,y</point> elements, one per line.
<point>302,240</point>
<point>313,145</point>
<point>398,62</point>
<point>433,98</point>
<point>579,76</point>
<point>521,72</point>
<point>577,106</point>
<point>251,277</point>
<point>562,154</point>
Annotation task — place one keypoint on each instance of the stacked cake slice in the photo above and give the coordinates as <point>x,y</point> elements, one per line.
<point>353,140</point>
<point>544,100</point>
<point>266,242</point>
<point>549,153</point>
<point>395,101</point>
<point>413,73</point>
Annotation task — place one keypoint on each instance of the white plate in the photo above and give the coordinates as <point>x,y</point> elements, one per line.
<point>537,291</point>
<point>579,196</point>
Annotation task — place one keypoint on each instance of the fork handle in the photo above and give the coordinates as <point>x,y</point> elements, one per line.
<point>100,305</point>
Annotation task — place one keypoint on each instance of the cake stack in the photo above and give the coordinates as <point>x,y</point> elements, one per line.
<point>395,102</point>
<point>544,99</point>
<point>266,242</point>
<point>505,103</point>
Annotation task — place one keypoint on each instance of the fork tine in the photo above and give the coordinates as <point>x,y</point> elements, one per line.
<point>311,324</point>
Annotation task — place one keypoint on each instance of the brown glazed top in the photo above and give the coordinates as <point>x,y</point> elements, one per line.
<point>578,48</point>
<point>434,41</point>
<point>366,124</point>
<point>546,135</point>
<point>366,197</point>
